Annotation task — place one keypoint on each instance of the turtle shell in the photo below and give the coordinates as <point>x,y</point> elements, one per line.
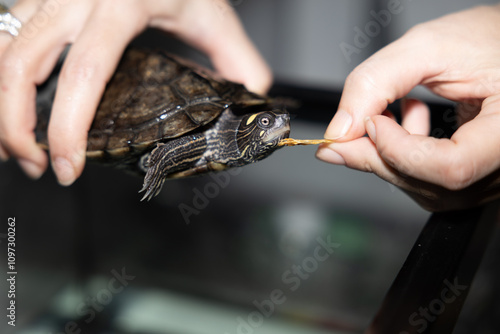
<point>152,97</point>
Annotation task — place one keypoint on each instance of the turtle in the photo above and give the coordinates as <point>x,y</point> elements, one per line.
<point>164,117</point>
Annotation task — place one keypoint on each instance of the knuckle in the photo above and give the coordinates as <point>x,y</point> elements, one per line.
<point>362,77</point>
<point>365,80</point>
<point>12,67</point>
<point>81,70</point>
<point>135,9</point>
<point>367,166</point>
<point>459,173</point>
<point>361,163</point>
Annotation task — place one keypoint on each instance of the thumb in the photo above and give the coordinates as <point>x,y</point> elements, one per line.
<point>389,74</point>
<point>454,163</point>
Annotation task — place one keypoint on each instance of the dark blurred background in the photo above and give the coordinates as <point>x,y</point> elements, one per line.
<point>209,253</point>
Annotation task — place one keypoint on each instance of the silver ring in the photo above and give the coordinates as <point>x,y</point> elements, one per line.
<point>8,22</point>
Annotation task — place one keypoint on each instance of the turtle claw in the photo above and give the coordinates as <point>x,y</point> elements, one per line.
<point>152,186</point>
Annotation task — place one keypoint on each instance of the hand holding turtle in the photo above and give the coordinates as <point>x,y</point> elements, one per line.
<point>456,57</point>
<point>99,31</point>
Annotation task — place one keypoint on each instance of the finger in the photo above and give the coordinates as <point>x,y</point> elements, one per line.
<point>453,164</point>
<point>26,63</point>
<point>360,154</point>
<point>17,117</point>
<point>415,117</point>
<point>22,10</point>
<point>384,77</point>
<point>234,55</point>
<point>214,28</point>
<point>16,134</point>
<point>89,65</point>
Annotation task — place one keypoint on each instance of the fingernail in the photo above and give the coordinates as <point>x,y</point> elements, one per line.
<point>341,124</point>
<point>30,168</point>
<point>328,155</point>
<point>64,170</point>
<point>370,129</point>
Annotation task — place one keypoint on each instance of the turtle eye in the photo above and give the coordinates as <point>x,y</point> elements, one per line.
<point>265,121</point>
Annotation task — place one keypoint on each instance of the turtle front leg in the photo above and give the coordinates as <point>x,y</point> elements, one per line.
<point>171,157</point>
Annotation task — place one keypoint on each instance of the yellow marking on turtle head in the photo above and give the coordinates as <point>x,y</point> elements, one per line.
<point>251,119</point>
<point>262,133</point>
<point>244,151</point>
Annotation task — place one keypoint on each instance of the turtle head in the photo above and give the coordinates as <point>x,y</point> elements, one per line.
<point>259,134</point>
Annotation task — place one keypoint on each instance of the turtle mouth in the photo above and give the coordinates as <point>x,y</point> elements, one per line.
<point>282,133</point>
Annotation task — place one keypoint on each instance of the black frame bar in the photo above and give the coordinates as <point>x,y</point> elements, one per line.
<point>431,287</point>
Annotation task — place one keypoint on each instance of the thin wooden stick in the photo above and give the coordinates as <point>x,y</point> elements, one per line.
<point>294,142</point>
